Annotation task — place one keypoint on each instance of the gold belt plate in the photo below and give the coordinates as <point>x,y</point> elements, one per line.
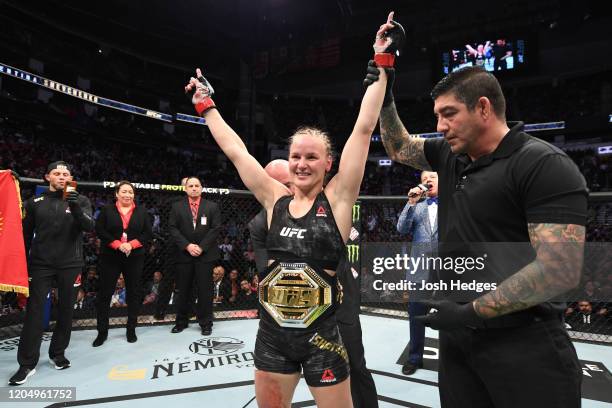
<point>294,294</point>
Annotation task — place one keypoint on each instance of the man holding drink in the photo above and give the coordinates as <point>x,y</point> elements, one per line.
<point>53,234</point>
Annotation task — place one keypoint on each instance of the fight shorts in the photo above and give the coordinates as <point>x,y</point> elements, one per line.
<point>318,351</point>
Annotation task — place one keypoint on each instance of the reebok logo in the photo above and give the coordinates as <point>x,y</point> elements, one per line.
<point>354,234</point>
<point>328,377</point>
<point>293,232</point>
<point>321,211</point>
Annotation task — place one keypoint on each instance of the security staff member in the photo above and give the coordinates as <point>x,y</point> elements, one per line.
<point>194,227</point>
<point>53,235</point>
<point>498,184</point>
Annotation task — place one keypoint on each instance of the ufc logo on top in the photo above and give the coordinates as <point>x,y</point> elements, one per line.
<point>293,232</point>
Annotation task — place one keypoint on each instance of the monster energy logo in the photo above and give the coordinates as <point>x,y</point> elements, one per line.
<point>353,253</point>
<point>356,212</point>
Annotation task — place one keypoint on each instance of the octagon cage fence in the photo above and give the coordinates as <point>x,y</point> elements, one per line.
<point>374,220</point>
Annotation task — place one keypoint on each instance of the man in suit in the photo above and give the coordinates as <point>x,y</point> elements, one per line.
<point>220,287</point>
<point>419,218</point>
<point>194,228</point>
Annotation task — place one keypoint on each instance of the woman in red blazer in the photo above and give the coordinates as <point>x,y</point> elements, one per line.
<point>123,228</point>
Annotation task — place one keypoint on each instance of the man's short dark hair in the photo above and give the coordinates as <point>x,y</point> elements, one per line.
<point>468,85</point>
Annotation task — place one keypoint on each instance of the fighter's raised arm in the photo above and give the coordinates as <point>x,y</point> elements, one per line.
<point>399,144</point>
<point>266,189</point>
<point>345,184</point>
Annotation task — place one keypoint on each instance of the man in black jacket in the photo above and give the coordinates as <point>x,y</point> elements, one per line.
<point>53,235</point>
<point>194,228</point>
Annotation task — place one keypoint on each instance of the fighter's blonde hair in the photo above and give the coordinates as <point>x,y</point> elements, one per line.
<point>315,132</point>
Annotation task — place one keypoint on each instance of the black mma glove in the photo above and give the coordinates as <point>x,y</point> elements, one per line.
<point>373,75</point>
<point>385,58</point>
<point>397,34</point>
<point>201,93</point>
<point>450,315</point>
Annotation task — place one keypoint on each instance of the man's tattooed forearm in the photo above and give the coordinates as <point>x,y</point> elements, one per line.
<point>400,146</point>
<point>556,270</point>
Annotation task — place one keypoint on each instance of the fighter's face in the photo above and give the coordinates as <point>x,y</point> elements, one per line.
<point>460,126</point>
<point>309,161</point>
<point>430,177</point>
<point>193,187</point>
<point>57,178</point>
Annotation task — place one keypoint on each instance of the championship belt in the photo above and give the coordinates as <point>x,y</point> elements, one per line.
<point>295,295</point>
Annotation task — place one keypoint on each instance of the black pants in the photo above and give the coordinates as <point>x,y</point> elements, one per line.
<point>185,275</point>
<point>530,366</point>
<point>31,334</point>
<point>500,65</point>
<point>363,389</point>
<point>417,333</point>
<point>110,267</point>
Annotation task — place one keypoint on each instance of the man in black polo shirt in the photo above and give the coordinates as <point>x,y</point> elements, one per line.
<point>507,347</point>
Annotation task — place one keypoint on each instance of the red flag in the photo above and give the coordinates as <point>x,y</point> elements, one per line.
<point>13,266</point>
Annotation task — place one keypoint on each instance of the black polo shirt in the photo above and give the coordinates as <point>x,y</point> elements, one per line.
<point>491,200</point>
